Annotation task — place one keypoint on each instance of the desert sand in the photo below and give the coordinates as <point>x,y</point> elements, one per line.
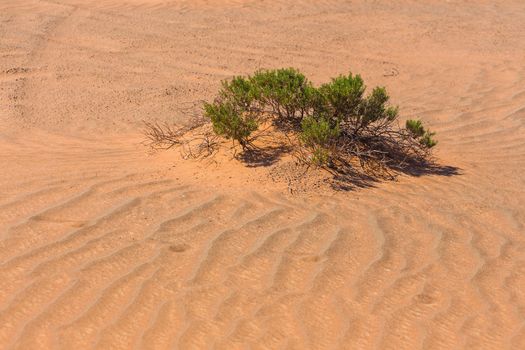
<point>105,244</point>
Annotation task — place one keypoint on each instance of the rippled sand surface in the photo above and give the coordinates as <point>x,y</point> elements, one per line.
<point>104,245</point>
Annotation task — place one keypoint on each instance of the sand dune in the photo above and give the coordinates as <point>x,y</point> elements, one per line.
<point>105,245</point>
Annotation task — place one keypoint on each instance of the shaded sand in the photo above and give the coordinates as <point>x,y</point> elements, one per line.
<point>103,245</point>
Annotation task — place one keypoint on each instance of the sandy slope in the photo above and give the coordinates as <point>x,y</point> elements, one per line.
<point>104,245</point>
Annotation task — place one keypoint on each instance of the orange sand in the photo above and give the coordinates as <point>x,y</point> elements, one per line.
<point>104,245</point>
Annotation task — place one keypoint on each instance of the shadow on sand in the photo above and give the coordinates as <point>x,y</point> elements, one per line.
<point>348,177</point>
<point>263,157</point>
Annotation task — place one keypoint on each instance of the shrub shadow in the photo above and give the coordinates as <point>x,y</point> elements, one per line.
<point>431,169</point>
<point>349,178</point>
<point>263,157</point>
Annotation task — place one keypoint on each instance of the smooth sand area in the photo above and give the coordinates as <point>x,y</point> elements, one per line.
<point>106,245</point>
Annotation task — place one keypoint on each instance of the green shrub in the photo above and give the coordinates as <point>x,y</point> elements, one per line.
<point>416,129</point>
<point>342,96</point>
<point>337,121</point>
<point>427,140</point>
<point>318,134</point>
<point>374,108</point>
<point>318,131</point>
<point>239,91</point>
<point>286,91</point>
<point>344,99</point>
<point>320,156</point>
<point>231,122</point>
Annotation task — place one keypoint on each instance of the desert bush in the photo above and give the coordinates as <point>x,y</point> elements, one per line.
<point>320,136</point>
<point>233,121</point>
<point>318,131</point>
<point>239,91</point>
<point>341,97</point>
<point>374,108</point>
<point>243,103</point>
<point>286,91</point>
<point>427,140</point>
<point>336,125</point>
<point>416,129</point>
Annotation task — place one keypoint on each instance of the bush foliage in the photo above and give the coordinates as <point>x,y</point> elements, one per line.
<point>231,121</point>
<point>336,125</point>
